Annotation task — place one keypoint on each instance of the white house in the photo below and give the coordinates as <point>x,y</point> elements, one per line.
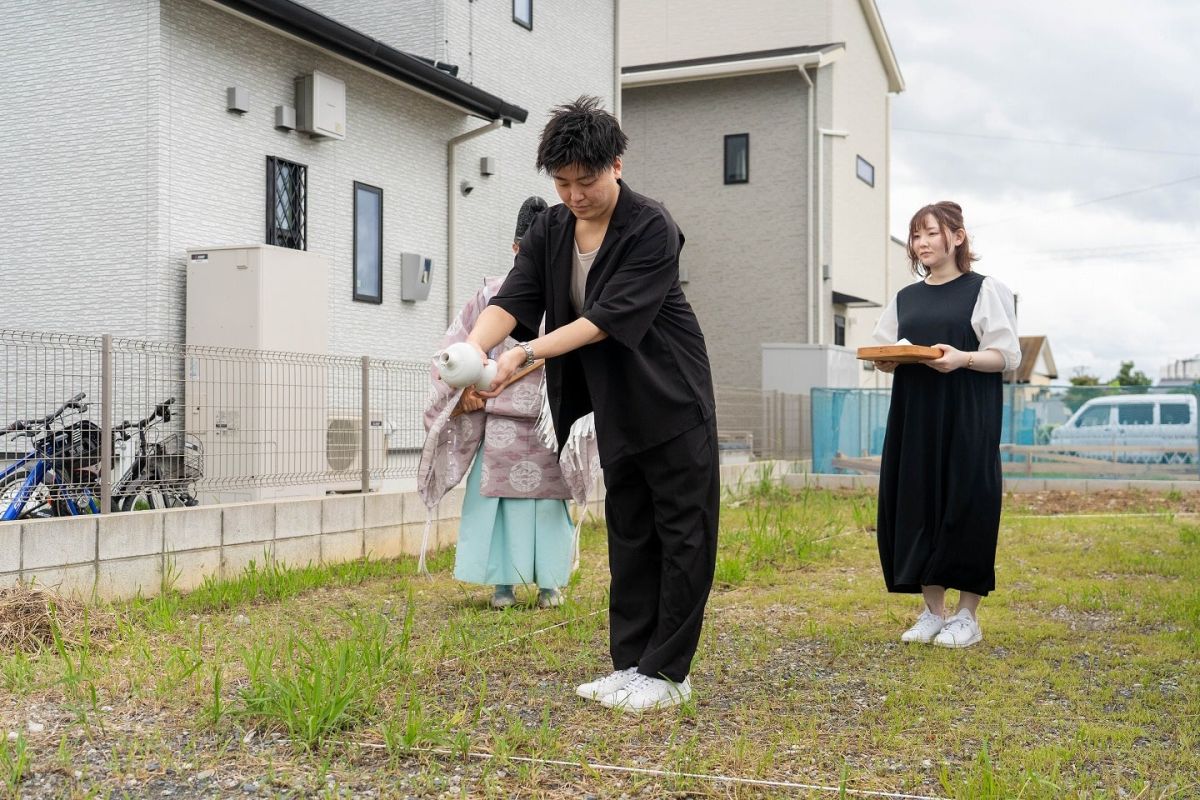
<point>135,131</point>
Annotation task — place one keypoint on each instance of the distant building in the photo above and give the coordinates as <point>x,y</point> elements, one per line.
<point>1183,372</point>
<point>1037,363</point>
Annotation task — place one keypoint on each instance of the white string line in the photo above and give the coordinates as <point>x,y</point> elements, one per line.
<point>515,639</point>
<point>663,773</point>
<point>1104,516</point>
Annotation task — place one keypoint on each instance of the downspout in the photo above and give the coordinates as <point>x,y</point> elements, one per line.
<point>451,209</point>
<point>808,205</point>
<point>617,59</point>
<point>821,229</point>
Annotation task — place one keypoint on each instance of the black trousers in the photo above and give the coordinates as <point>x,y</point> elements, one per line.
<point>662,507</point>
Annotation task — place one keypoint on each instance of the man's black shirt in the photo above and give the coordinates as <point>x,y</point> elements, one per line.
<point>649,381</point>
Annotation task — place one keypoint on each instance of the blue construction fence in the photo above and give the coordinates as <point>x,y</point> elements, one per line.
<point>1132,432</point>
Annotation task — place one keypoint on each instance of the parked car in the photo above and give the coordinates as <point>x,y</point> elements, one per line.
<point>1163,424</point>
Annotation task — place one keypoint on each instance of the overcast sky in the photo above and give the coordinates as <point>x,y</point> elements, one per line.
<point>1106,279</point>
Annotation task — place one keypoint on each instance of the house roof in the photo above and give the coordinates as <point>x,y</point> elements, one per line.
<point>850,301</point>
<point>1031,348</point>
<point>726,66</point>
<point>420,74</point>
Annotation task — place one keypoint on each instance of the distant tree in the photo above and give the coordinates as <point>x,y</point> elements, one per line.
<point>1083,388</point>
<point>1126,376</point>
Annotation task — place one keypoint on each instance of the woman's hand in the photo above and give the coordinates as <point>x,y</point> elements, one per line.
<point>952,359</point>
<point>886,366</point>
<point>470,400</point>
<point>506,365</point>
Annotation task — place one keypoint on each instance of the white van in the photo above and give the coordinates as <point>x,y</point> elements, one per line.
<point>1164,424</point>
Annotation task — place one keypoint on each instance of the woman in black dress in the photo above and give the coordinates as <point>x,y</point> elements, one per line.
<point>940,480</point>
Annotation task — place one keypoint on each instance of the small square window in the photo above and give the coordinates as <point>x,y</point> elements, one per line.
<point>737,158</point>
<point>368,243</point>
<point>287,204</point>
<point>523,13</point>
<point>866,171</point>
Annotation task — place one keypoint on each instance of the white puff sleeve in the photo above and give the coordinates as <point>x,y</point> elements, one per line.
<point>887,330</point>
<point>994,321</point>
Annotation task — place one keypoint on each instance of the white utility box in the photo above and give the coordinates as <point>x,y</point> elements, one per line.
<point>259,387</point>
<point>321,105</point>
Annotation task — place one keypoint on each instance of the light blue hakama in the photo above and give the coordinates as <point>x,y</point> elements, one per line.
<point>512,540</point>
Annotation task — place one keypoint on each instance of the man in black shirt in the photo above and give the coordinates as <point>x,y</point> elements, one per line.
<point>621,340</point>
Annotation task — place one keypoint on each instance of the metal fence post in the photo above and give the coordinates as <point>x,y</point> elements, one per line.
<point>366,424</point>
<point>106,432</point>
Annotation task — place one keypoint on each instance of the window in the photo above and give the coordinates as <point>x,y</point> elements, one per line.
<point>523,13</point>
<point>866,171</point>
<point>1094,417</point>
<point>737,158</point>
<point>368,243</point>
<point>1175,414</point>
<point>839,329</point>
<point>1136,414</point>
<point>287,204</point>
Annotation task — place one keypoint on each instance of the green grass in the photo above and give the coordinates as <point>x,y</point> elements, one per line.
<point>318,679</point>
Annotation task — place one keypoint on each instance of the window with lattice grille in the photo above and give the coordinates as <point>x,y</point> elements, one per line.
<point>287,204</point>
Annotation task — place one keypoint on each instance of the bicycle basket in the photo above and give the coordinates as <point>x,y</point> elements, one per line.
<point>179,458</point>
<point>75,447</point>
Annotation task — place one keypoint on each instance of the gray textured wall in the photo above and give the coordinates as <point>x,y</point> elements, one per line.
<point>746,252</point>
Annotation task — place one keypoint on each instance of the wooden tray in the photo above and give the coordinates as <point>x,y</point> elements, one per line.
<point>901,353</point>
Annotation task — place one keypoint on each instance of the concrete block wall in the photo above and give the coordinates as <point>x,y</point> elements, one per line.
<point>124,555</point>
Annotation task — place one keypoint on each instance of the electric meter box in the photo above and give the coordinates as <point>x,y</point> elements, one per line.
<point>416,276</point>
<point>321,105</point>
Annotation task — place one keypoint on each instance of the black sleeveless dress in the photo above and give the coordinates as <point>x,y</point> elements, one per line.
<point>940,480</point>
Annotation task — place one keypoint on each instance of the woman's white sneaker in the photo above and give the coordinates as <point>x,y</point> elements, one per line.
<point>602,687</point>
<point>961,630</point>
<point>928,626</point>
<point>644,693</point>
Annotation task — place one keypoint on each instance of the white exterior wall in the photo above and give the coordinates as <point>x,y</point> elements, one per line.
<point>78,168</point>
<point>214,189</point>
<point>859,241</point>
<point>654,31</point>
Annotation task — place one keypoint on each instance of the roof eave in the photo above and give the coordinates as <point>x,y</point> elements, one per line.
<point>884,45</point>
<point>295,21</point>
<point>731,69</point>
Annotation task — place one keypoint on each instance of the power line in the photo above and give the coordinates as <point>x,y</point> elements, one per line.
<point>1093,201</point>
<point>997,137</point>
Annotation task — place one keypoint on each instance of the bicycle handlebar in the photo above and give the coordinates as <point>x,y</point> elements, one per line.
<point>41,422</point>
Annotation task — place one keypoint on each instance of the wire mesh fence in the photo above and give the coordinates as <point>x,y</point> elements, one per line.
<point>758,424</point>
<point>1121,432</point>
<point>97,424</point>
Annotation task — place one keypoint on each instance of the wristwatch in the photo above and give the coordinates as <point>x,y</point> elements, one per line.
<point>529,359</point>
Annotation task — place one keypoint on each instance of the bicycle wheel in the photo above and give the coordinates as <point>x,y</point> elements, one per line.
<point>37,503</point>
<point>143,498</point>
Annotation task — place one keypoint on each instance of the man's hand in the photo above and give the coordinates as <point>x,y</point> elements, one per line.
<point>886,366</point>
<point>506,365</point>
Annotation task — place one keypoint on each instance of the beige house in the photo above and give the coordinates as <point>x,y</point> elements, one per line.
<point>1037,366</point>
<point>764,128</point>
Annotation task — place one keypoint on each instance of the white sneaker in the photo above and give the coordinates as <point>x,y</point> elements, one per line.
<point>602,687</point>
<point>961,630</point>
<point>644,693</point>
<point>928,625</point>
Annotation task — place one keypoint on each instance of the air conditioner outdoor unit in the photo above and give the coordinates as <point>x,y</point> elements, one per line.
<point>343,450</point>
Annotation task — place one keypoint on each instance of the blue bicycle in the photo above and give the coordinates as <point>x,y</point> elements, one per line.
<point>59,475</point>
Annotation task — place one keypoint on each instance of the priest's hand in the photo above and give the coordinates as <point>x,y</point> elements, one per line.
<point>470,400</point>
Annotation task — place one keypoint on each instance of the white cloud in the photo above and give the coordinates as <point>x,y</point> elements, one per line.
<point>1102,73</point>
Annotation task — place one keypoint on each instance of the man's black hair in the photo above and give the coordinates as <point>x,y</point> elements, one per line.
<point>580,133</point>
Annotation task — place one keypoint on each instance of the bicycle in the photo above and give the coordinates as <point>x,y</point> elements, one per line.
<point>55,477</point>
<point>159,474</point>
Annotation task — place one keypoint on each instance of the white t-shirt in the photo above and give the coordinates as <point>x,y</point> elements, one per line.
<point>581,264</point>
